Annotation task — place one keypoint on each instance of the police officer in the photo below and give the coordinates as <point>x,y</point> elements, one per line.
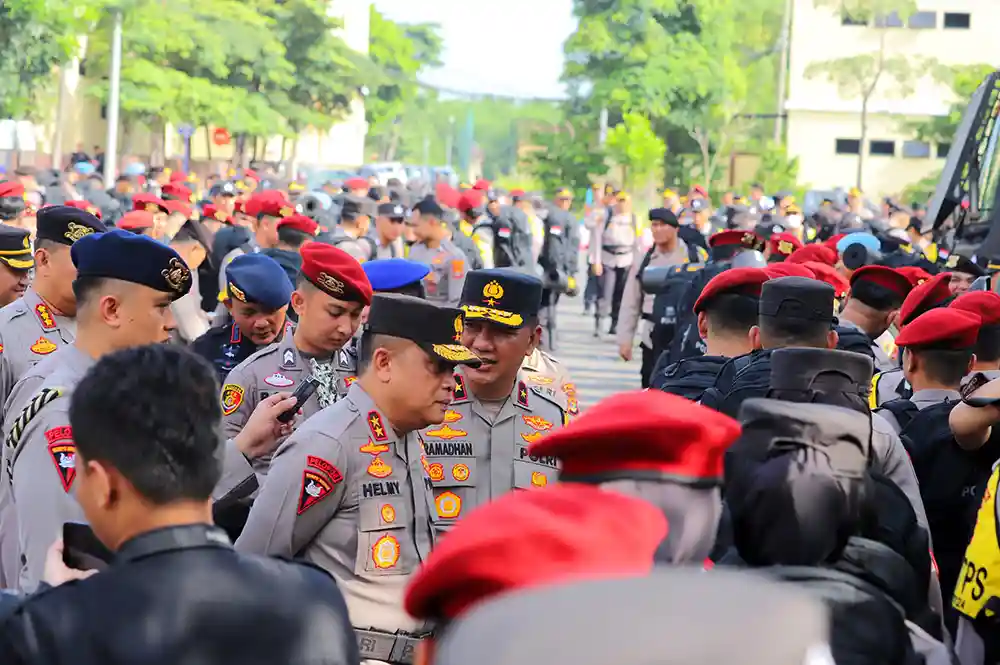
<point>16,262</point>
<point>891,384</point>
<point>986,366</point>
<point>543,369</point>
<point>41,321</point>
<point>125,284</point>
<point>12,204</point>
<point>612,252</point>
<point>144,488</point>
<point>329,298</point>
<point>256,299</point>
<point>657,447</point>
<point>462,211</point>
<point>480,451</point>
<point>351,235</point>
<point>667,250</point>
<point>963,273</point>
<point>726,311</point>
<point>872,307</point>
<point>505,236</point>
<point>936,356</point>
<point>265,209</point>
<point>294,232</point>
<point>558,262</point>
<point>433,247</point>
<point>397,276</point>
<point>350,492</point>
<point>388,230</point>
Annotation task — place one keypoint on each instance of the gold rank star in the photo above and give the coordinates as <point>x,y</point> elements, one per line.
<point>524,394</point>
<point>377,426</point>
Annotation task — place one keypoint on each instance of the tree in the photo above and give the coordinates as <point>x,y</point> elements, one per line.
<point>634,146</point>
<point>565,158</point>
<point>859,76</point>
<point>776,171</point>
<point>962,80</point>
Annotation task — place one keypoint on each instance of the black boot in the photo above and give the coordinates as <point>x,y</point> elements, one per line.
<point>597,326</point>
<point>614,327</point>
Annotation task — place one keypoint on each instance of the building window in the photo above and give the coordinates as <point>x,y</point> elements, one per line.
<point>922,20</point>
<point>942,150</point>
<point>890,20</point>
<point>847,19</point>
<point>882,148</point>
<point>848,146</point>
<point>916,149</point>
<point>957,20</point>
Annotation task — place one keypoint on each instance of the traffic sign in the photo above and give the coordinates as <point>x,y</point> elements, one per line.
<point>220,136</point>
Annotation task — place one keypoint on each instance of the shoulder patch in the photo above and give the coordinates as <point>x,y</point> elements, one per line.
<point>232,398</point>
<point>316,486</point>
<point>28,413</point>
<point>522,395</point>
<point>459,394</point>
<point>457,268</point>
<point>45,317</point>
<point>376,426</point>
<point>62,450</point>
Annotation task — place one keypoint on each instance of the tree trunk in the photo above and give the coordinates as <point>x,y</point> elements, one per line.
<point>706,157</point>
<point>253,155</point>
<point>864,138</point>
<point>208,146</point>
<point>293,160</point>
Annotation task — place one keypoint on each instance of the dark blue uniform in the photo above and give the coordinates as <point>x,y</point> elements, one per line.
<point>225,347</point>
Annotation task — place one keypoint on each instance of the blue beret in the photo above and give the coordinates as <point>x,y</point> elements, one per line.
<point>258,279</point>
<point>871,243</point>
<point>388,274</point>
<point>132,258</point>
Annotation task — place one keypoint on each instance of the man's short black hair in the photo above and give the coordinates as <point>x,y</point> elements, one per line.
<point>784,332</point>
<point>944,366</point>
<point>732,313</point>
<point>11,207</point>
<point>293,237</point>
<point>987,346</point>
<point>86,289</point>
<point>153,413</point>
<point>875,296</point>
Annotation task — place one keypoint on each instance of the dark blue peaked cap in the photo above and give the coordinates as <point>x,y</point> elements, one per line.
<point>258,279</point>
<point>389,274</point>
<point>132,258</point>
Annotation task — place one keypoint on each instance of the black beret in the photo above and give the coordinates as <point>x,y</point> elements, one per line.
<point>501,295</point>
<point>665,215</point>
<point>132,258</point>
<point>66,225</point>
<point>797,298</point>
<point>435,329</point>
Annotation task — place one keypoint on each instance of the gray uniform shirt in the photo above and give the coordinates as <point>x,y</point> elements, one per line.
<point>548,375</point>
<point>883,362</point>
<point>348,494</point>
<point>444,282</point>
<point>279,367</point>
<point>476,455</point>
<point>363,248</point>
<point>613,244</point>
<point>886,385</point>
<point>921,399</point>
<point>41,466</point>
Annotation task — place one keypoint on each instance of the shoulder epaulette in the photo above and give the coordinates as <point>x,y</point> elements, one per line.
<point>28,413</point>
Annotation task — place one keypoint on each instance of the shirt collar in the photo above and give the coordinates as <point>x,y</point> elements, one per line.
<point>185,537</point>
<point>380,430</point>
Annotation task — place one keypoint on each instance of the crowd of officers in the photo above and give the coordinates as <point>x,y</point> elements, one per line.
<point>330,473</point>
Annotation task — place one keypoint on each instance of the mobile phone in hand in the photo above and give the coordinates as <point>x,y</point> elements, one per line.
<point>302,394</point>
<point>82,550</point>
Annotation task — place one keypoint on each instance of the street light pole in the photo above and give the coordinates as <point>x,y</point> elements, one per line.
<point>111,145</point>
<point>786,23</point>
<point>450,138</point>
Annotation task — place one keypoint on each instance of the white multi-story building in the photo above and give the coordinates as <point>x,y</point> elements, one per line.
<point>824,125</point>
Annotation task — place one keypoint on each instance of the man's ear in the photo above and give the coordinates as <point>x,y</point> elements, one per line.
<point>703,325</point>
<point>536,339</point>
<point>754,336</point>
<point>831,339</point>
<point>972,363</point>
<point>298,302</point>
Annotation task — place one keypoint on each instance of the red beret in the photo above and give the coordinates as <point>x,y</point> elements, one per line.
<point>984,304</point>
<point>887,278</point>
<point>915,274</point>
<point>470,199</point>
<point>784,243</point>
<point>300,223</point>
<point>240,206</point>
<point>10,188</point>
<point>746,239</point>
<point>482,185</point>
<point>645,430</point>
<point>943,327</point>
<point>356,183</point>
<point>250,173</point>
<point>86,206</point>
<point>177,190</point>
<point>924,297</point>
<point>786,269</point>
<point>521,540</point>
<point>446,195</point>
<point>176,205</point>
<point>212,211</point>
<point>148,202</point>
<point>818,253</point>
<point>270,202</point>
<point>744,281</point>
<point>701,191</point>
<point>832,241</point>
<point>335,272</point>
<point>178,176</point>
<point>830,275</point>
<point>136,220</point>
<point>517,193</point>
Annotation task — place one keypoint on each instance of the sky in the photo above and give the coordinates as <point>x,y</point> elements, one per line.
<point>502,47</point>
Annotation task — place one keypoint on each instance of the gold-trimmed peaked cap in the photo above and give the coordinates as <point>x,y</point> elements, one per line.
<point>435,329</point>
<point>501,295</point>
<point>15,248</point>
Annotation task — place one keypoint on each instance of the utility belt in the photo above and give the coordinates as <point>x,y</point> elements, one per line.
<point>617,250</point>
<point>394,648</point>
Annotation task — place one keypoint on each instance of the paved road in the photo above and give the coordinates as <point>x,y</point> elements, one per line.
<point>593,364</point>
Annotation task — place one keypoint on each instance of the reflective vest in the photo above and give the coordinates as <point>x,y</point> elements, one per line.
<point>979,581</point>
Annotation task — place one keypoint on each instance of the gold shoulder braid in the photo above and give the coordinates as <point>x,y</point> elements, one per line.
<point>28,413</point>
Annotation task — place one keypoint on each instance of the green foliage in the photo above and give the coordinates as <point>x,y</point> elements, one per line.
<point>776,171</point>
<point>634,146</point>
<point>565,158</point>
<point>963,81</point>
<point>922,190</point>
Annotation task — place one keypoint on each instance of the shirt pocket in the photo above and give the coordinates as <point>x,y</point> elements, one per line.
<point>385,542</point>
<point>454,480</point>
<point>532,475</point>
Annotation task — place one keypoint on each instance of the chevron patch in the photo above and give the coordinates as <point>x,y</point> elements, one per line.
<point>28,413</point>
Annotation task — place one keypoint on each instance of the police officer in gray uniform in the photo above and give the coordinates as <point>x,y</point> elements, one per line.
<point>448,263</point>
<point>558,262</point>
<point>140,275</point>
<point>350,492</point>
<point>331,293</point>
<point>351,235</point>
<point>480,451</point>
<point>16,262</point>
<point>877,293</point>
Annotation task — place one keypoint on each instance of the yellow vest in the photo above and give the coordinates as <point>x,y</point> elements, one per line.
<point>979,580</point>
<point>466,227</point>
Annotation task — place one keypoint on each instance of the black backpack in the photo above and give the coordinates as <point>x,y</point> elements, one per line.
<point>850,338</point>
<point>740,379</point>
<point>866,627</point>
<point>689,378</point>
